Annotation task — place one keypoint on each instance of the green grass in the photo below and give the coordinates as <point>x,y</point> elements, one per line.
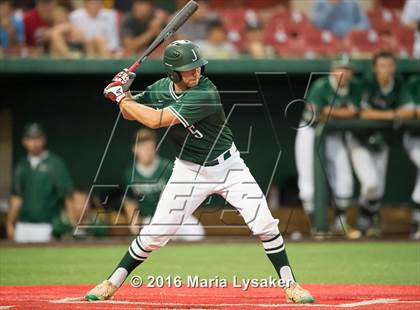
<point>382,263</point>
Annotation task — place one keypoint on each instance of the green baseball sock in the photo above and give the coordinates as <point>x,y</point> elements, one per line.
<point>135,255</point>
<point>275,250</point>
<point>124,268</point>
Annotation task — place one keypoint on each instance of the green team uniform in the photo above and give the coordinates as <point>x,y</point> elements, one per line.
<point>376,98</point>
<point>203,133</point>
<point>394,96</point>
<point>42,188</point>
<point>146,188</point>
<point>323,94</point>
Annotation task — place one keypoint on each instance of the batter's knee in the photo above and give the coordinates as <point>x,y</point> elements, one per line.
<point>153,240</point>
<point>266,230</point>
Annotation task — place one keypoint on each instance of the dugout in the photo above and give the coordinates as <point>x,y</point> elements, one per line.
<point>261,98</point>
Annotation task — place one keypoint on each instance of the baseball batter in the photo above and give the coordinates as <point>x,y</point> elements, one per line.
<point>384,95</point>
<point>337,96</point>
<point>207,163</point>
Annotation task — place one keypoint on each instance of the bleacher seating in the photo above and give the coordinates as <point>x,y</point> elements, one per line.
<point>405,40</point>
<point>284,30</point>
<point>363,42</point>
<point>234,20</point>
<point>321,43</point>
<point>383,21</point>
<point>291,32</point>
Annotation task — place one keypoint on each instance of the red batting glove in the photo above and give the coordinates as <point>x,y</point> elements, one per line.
<point>122,76</point>
<point>125,78</point>
<point>114,92</point>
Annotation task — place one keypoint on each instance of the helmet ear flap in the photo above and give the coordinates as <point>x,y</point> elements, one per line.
<point>175,76</point>
<point>203,68</point>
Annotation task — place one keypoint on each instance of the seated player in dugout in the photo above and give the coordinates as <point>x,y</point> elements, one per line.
<point>144,183</point>
<point>41,187</point>
<point>207,163</point>
<point>335,96</point>
<point>385,96</point>
<point>82,219</point>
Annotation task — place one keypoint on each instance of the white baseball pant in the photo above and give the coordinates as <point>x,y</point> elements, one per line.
<point>338,167</point>
<point>33,232</point>
<point>191,230</point>
<point>370,168</point>
<point>190,184</point>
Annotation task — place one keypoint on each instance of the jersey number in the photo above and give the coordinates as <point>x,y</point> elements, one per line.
<point>196,133</point>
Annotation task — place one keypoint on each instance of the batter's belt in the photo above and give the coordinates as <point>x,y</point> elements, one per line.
<point>222,157</point>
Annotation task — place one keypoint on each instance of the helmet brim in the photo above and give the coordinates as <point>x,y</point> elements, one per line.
<point>191,66</point>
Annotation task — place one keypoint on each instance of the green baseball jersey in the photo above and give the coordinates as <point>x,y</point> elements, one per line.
<point>385,99</point>
<point>145,187</point>
<point>203,133</point>
<point>42,188</point>
<point>323,93</point>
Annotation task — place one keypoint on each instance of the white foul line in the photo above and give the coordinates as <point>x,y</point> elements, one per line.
<point>165,304</point>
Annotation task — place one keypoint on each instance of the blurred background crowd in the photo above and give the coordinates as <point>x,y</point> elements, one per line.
<point>224,29</point>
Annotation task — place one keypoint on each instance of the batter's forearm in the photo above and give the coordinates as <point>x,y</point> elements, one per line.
<point>126,114</point>
<point>141,113</point>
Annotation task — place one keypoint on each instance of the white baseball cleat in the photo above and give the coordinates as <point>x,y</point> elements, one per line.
<point>295,293</point>
<point>103,291</point>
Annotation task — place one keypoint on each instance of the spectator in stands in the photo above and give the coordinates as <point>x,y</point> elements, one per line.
<point>37,23</point>
<point>99,26</point>
<point>339,16</point>
<point>144,183</point>
<point>41,186</point>
<point>141,26</point>
<point>385,95</point>
<point>12,34</point>
<point>65,39</point>
<point>254,44</point>
<point>216,46</point>
<point>411,18</point>
<point>196,28</point>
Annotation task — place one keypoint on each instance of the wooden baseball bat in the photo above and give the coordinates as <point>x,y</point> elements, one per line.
<point>177,21</point>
